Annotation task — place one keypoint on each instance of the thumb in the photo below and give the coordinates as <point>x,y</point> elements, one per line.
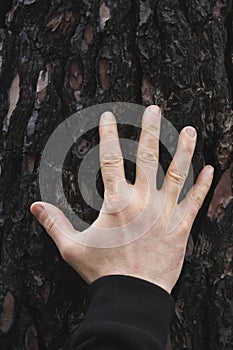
<point>53,220</point>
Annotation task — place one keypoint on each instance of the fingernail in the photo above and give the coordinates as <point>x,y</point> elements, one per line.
<point>107,117</point>
<point>37,209</point>
<point>154,109</point>
<point>210,169</point>
<point>191,131</point>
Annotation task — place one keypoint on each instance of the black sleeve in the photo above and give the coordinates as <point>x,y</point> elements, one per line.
<point>126,313</point>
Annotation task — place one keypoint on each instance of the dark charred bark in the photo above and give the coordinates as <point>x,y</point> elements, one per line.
<point>58,57</point>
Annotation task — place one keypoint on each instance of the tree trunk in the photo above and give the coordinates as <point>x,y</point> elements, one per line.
<point>61,56</point>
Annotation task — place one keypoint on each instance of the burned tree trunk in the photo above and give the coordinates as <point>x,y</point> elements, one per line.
<point>58,57</point>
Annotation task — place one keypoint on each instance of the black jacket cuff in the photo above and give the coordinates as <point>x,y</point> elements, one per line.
<point>131,301</point>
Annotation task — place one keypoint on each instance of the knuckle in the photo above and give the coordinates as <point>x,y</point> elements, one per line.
<point>197,199</point>
<point>176,176</point>
<point>110,159</point>
<point>204,188</point>
<point>50,224</point>
<point>147,155</point>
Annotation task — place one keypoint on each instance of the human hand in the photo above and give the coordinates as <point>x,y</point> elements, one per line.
<point>150,228</point>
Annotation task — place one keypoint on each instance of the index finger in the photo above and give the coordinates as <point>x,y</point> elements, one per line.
<point>111,160</point>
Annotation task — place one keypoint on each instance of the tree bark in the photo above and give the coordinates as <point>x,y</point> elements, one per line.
<point>58,57</point>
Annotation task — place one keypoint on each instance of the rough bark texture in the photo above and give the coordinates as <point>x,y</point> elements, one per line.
<point>60,56</point>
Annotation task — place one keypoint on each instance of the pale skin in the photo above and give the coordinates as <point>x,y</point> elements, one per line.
<point>157,255</point>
